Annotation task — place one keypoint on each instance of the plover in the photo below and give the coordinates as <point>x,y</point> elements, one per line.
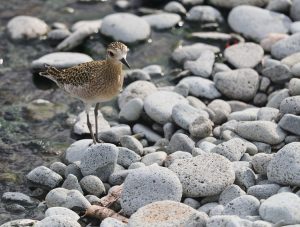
<point>93,82</point>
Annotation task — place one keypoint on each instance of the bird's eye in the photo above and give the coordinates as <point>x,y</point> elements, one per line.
<point>110,53</point>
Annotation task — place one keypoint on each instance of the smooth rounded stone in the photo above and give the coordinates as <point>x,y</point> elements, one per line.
<point>60,60</point>
<point>284,167</point>
<point>132,143</point>
<point>275,100</point>
<point>132,110</point>
<point>159,105</point>
<point>229,220</point>
<point>122,27</point>
<point>285,189</point>
<point>147,185</point>
<point>260,162</point>
<point>295,27</point>
<point>278,73</point>
<point>192,203</point>
<point>195,102</point>
<point>44,177</point>
<point>182,89</point>
<point>203,65</point>
<point>112,222</point>
<point>201,87</point>
<point>286,47</point>
<point>283,208</point>
<point>137,89</point>
<point>290,105</point>
<point>191,52</point>
<point>76,151</point>
<point>92,185</point>
<point>71,182</point>
<point>231,192</point>
<point>290,139</point>
<point>232,149</point>
<point>57,221</point>
<point>114,134</point>
<point>137,74</point>
<point>20,222</point>
<point>199,179</point>
<point>244,55</point>
<point>206,146</point>
<point>238,105</point>
<point>162,20</point>
<point>290,123</point>
<point>153,70</point>
<point>18,198</point>
<point>242,206</point>
<point>58,167</point>
<point>26,27</point>
<point>263,191</point>
<point>93,199</point>
<point>126,157</point>
<point>149,134</point>
<point>58,34</point>
<point>267,114</point>
<point>296,70</point>
<point>260,131</point>
<point>294,86</point>
<point>264,83</point>
<point>184,115</point>
<point>206,208</point>
<point>91,24</point>
<point>166,213</point>
<point>219,104</point>
<point>157,157</point>
<point>249,114</point>
<point>291,60</point>
<point>61,211</point>
<point>180,142</point>
<point>260,99</point>
<point>217,210</point>
<point>118,177</point>
<point>295,10</point>
<point>204,14</point>
<point>201,127</point>
<point>271,38</point>
<point>175,7</point>
<point>240,84</point>
<point>233,3</point>
<point>257,23</point>
<point>282,6</point>
<point>74,169</point>
<point>136,165</point>
<point>99,160</point>
<point>244,177</point>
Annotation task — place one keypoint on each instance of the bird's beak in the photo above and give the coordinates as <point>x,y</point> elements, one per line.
<point>123,60</point>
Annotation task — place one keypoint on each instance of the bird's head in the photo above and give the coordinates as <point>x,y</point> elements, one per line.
<point>117,51</point>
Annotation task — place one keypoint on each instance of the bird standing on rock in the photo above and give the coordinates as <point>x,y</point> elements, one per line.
<point>93,82</point>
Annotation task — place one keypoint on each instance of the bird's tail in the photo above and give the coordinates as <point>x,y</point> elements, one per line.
<point>51,72</point>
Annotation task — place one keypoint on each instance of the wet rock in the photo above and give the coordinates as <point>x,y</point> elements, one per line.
<point>149,134</point>
<point>76,151</point>
<point>230,193</point>
<point>162,20</point>
<point>200,180</point>
<point>61,211</point>
<point>263,191</point>
<point>122,27</point>
<point>147,185</point>
<point>204,14</point>
<point>92,185</point>
<point>245,205</point>
<point>58,220</point>
<point>180,142</point>
<point>114,134</point>
<point>132,110</point>
<point>290,105</point>
<point>44,177</point>
<point>71,182</point>
<point>260,162</point>
<point>99,160</point>
<point>285,165</point>
<point>286,47</point>
<point>26,27</point>
<point>201,87</point>
<point>257,23</point>
<point>175,7</point>
<point>283,208</point>
<point>240,84</point>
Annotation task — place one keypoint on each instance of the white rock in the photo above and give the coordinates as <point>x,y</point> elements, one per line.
<point>162,20</point>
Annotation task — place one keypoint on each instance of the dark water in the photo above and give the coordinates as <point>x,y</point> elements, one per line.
<point>27,143</point>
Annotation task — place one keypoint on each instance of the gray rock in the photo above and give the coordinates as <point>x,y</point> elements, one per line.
<point>71,182</point>
<point>201,87</point>
<point>277,97</point>
<point>195,102</point>
<point>92,185</point>
<point>221,109</point>
<point>203,65</point>
<point>201,127</point>
<point>192,203</point>
<point>206,146</point>
<point>114,134</point>
<point>191,52</point>
<point>200,179</point>
<point>283,208</point>
<point>296,70</point>
<point>122,27</point>
<point>137,74</point>
<point>286,47</point>
<point>278,73</point>
<point>147,185</point>
<point>132,143</point>
<point>132,110</point>
<point>267,114</point>
<point>263,191</point>
<point>58,34</point>
<point>76,151</point>
<point>240,84</point>
<point>90,24</point>
<point>175,7</point>
<point>249,114</point>
<point>291,60</point>
<point>231,192</point>
<point>290,123</point>
<point>192,2</point>
<point>153,70</point>
<point>180,142</point>
<point>244,55</point>
<point>112,222</point>
<point>257,23</point>
<point>165,213</point>
<point>204,14</point>
<point>137,89</point>
<point>60,60</point>
<point>149,134</point>
<point>294,86</point>
<point>264,83</point>
<point>260,131</point>
<point>206,208</point>
<point>294,11</point>
<point>18,198</point>
<point>26,27</point>
<point>285,165</point>
<point>162,20</point>
<point>295,27</point>
<point>136,165</point>
<point>61,211</point>
<point>159,105</point>
<point>228,220</point>
<point>260,99</point>
<point>290,105</point>
<point>244,176</point>
<point>99,160</point>
<point>233,3</point>
<point>58,167</point>
<point>260,162</point>
<point>21,222</point>
<point>58,220</point>
<point>245,205</point>
<point>118,177</point>
<point>233,149</point>
<point>44,177</point>
<point>157,157</point>
<point>176,155</point>
<point>74,169</point>
<point>126,157</point>
<point>281,6</point>
<point>182,89</point>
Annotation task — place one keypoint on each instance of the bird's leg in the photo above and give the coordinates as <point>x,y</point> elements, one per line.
<point>96,121</point>
<point>90,126</point>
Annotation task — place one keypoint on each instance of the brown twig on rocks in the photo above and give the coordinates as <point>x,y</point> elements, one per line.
<point>101,213</point>
<point>111,197</point>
